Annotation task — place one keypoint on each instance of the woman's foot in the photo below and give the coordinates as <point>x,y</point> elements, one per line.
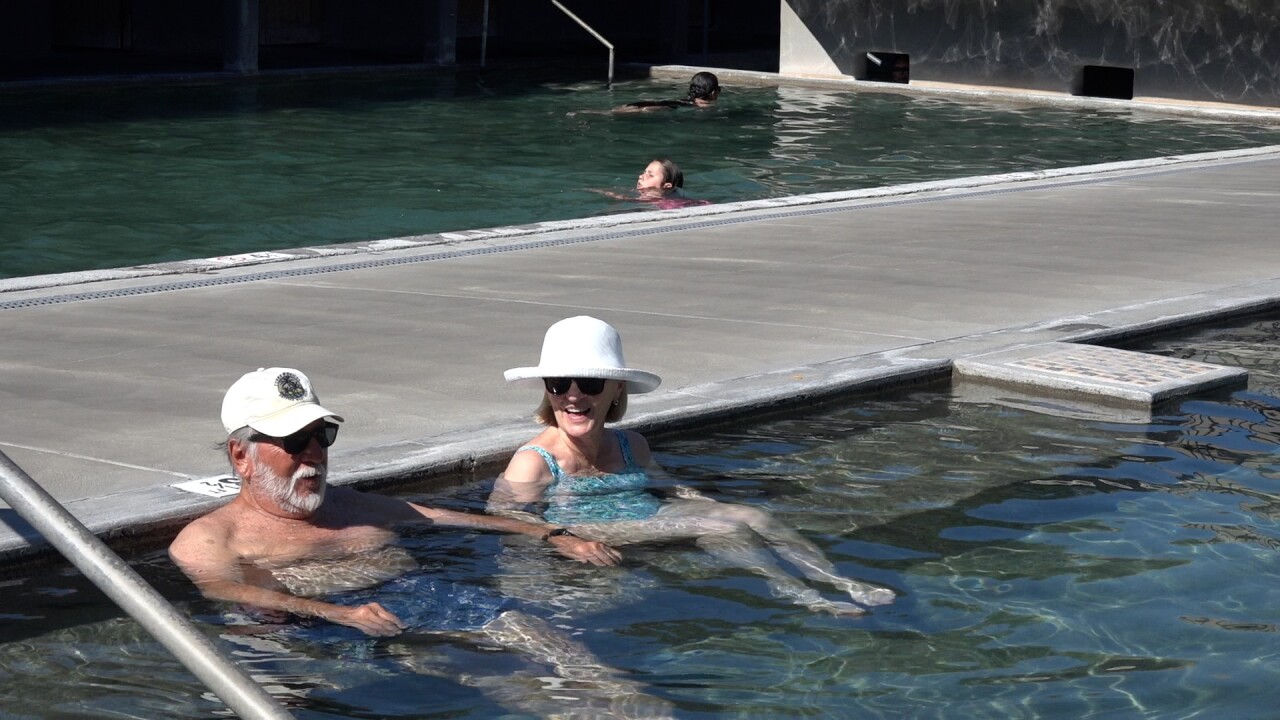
<point>865,594</point>
<point>837,608</point>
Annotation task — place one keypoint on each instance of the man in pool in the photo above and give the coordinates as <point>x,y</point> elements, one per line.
<point>704,90</point>
<point>288,539</point>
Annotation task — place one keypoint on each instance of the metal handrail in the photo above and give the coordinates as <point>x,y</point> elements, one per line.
<point>484,34</point>
<point>594,34</point>
<point>119,581</point>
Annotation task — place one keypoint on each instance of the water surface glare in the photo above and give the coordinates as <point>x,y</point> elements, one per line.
<point>1048,568</point>
<point>104,177</point>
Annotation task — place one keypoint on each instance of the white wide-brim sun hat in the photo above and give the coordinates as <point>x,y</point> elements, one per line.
<point>585,347</point>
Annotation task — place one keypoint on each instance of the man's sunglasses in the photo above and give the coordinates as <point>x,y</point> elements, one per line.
<point>301,440</point>
<point>587,386</point>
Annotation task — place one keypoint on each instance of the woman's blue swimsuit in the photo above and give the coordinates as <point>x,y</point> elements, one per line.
<point>580,499</point>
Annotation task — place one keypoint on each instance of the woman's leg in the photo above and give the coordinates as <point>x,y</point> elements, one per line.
<point>593,688</point>
<point>788,543</point>
<point>729,539</point>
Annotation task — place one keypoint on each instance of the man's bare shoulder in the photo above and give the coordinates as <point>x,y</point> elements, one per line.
<point>207,537</point>
<point>218,523</point>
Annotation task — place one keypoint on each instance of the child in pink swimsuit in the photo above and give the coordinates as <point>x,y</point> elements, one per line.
<point>660,185</point>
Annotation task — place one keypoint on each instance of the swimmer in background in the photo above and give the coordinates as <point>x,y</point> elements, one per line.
<point>660,183</point>
<point>704,89</point>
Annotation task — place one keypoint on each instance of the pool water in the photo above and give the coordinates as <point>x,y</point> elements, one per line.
<point>102,177</point>
<point>1047,567</point>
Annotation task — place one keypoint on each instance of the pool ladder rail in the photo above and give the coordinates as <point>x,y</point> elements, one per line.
<point>484,35</point>
<point>128,590</point>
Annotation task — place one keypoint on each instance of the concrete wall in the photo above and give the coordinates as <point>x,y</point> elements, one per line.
<point>1215,50</point>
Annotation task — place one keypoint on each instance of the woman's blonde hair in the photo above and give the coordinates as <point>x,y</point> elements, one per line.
<point>547,416</point>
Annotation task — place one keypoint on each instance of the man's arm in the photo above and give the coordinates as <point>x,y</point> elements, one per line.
<point>202,551</point>
<point>570,546</point>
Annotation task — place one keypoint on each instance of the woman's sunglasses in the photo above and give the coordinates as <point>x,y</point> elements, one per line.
<point>587,386</point>
<point>299,441</point>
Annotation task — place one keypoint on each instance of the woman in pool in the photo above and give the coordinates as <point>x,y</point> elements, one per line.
<point>595,482</point>
<point>704,89</point>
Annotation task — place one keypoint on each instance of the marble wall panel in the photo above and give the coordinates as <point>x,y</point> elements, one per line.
<point>1215,50</point>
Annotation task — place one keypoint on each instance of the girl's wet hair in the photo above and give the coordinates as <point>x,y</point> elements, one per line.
<point>671,172</point>
<point>703,85</point>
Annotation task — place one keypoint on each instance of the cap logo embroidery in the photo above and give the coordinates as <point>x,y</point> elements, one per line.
<point>290,386</point>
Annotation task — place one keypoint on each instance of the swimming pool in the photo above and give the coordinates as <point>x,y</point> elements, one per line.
<point>1048,568</point>
<point>99,177</point>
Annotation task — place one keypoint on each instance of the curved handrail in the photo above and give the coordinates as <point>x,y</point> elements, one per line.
<point>123,585</point>
<point>594,34</point>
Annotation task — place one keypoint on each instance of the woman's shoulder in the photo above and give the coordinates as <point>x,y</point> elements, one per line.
<point>632,436</point>
<point>636,443</point>
<point>530,463</point>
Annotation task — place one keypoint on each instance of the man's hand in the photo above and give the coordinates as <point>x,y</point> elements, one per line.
<point>588,551</point>
<point>372,619</point>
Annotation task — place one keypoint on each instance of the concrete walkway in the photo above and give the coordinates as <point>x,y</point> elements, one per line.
<point>111,384</point>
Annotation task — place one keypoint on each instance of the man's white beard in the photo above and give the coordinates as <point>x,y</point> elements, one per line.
<point>284,492</point>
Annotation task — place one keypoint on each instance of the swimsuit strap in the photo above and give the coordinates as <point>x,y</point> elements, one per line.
<point>628,461</point>
<point>552,465</point>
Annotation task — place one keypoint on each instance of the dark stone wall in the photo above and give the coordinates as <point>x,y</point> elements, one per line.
<point>47,38</point>
<point>1215,50</point>
<point>391,26</point>
<point>25,31</point>
<point>193,27</point>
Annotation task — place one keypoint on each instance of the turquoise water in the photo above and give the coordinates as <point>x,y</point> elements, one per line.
<point>99,177</point>
<point>1047,567</point>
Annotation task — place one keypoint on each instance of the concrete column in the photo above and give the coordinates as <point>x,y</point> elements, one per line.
<point>799,52</point>
<point>441,46</point>
<point>240,34</point>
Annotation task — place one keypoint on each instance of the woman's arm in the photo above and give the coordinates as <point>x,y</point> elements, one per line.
<point>523,482</point>
<point>613,194</point>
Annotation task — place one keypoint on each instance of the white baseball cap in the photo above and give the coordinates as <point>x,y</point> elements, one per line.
<point>274,401</point>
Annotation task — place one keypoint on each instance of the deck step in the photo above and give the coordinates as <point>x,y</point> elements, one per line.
<point>1098,373</point>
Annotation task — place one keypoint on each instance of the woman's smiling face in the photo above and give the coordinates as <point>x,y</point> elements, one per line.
<point>578,413</point>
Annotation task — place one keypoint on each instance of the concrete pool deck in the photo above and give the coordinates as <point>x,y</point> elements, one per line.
<point>113,381</point>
